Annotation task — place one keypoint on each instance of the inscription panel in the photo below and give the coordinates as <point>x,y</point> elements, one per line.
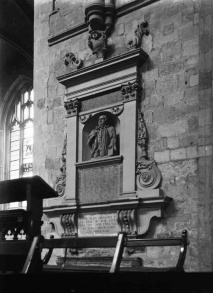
<point>99,184</point>
<point>101,100</point>
<point>97,224</point>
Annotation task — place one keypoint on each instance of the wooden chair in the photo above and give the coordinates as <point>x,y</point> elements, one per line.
<point>28,222</point>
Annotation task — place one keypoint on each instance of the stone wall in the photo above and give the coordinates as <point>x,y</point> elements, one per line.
<point>176,102</point>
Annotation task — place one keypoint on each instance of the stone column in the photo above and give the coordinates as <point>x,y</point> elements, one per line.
<point>72,107</point>
<point>130,93</point>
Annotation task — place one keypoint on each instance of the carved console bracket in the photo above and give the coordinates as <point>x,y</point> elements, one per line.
<point>140,31</point>
<point>72,107</point>
<point>99,19</point>
<point>60,183</point>
<point>69,224</point>
<point>127,221</point>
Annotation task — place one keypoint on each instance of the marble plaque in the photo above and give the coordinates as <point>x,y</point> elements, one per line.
<point>94,224</point>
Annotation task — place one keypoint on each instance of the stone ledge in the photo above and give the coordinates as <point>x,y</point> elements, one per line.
<point>101,161</point>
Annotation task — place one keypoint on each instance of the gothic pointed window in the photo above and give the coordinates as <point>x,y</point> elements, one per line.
<point>21,140</point>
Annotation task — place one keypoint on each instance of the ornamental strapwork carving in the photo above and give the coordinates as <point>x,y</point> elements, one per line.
<point>148,174</point>
<point>60,183</point>
<point>69,224</point>
<point>140,31</point>
<point>72,61</point>
<point>131,91</point>
<point>127,221</point>
<point>72,107</point>
<point>100,19</point>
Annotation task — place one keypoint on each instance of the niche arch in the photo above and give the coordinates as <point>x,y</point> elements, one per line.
<point>92,122</point>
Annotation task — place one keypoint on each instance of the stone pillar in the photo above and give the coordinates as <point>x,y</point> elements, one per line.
<point>129,151</point>
<point>130,94</point>
<point>72,107</point>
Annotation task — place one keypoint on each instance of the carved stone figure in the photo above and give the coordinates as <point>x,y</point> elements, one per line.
<point>102,139</point>
<point>97,42</point>
<point>140,31</point>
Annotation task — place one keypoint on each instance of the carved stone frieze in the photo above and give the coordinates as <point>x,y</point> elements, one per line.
<point>61,179</point>
<point>131,91</point>
<point>140,31</point>
<point>127,221</point>
<point>69,224</point>
<point>72,107</point>
<point>84,118</point>
<point>117,110</point>
<point>71,60</point>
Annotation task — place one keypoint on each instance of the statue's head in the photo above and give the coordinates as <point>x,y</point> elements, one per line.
<point>102,120</point>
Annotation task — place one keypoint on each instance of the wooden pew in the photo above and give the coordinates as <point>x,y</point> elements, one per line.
<point>13,252</point>
<point>116,242</point>
<point>119,243</point>
<point>181,242</point>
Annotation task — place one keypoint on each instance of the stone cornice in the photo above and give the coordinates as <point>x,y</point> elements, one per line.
<point>82,27</point>
<point>102,161</point>
<point>121,203</point>
<point>99,76</point>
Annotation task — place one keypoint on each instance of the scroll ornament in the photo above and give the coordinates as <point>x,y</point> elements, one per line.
<point>72,61</point>
<point>60,183</point>
<point>148,174</point>
<point>140,31</point>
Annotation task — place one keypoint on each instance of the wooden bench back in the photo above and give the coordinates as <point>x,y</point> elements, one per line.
<point>119,243</point>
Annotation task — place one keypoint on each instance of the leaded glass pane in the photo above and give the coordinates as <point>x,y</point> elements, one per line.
<point>15,135</point>
<point>25,97</point>
<point>14,165</point>
<point>14,146</point>
<point>32,111</point>
<point>16,126</point>
<point>19,111</point>
<point>26,112</point>
<point>32,95</point>
<point>27,147</point>
<point>14,174</point>
<point>15,155</point>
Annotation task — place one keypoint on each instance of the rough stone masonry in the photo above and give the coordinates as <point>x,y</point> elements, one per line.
<point>176,102</point>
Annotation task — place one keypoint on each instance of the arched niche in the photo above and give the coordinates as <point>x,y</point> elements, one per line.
<point>91,123</point>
